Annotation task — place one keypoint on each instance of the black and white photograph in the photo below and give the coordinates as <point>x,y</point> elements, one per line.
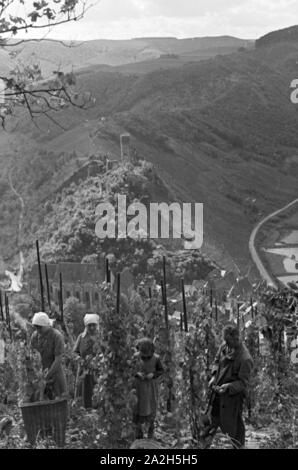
<point>148,227</point>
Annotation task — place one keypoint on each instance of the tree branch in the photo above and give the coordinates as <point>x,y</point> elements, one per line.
<point>25,86</point>
<point>73,44</point>
<point>76,17</point>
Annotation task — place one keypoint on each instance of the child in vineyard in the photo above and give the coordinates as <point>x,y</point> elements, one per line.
<point>148,369</point>
<point>86,347</point>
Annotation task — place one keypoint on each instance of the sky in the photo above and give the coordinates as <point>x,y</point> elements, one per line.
<point>125,19</point>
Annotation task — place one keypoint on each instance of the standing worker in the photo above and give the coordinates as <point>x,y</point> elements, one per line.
<point>86,346</point>
<point>229,387</point>
<point>50,344</point>
<point>148,369</point>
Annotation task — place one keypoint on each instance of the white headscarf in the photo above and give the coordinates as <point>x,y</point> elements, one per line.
<point>41,319</point>
<point>90,319</point>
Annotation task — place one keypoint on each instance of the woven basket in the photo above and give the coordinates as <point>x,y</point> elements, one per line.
<point>45,418</point>
<point>146,444</point>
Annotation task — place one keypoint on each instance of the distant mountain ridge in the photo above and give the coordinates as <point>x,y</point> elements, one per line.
<point>54,54</point>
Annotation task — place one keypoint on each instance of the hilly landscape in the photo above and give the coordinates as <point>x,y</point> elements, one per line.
<point>219,129</point>
<point>152,52</point>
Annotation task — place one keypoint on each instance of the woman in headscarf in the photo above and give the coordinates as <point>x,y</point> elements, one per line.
<point>50,344</point>
<point>148,370</point>
<point>86,346</point>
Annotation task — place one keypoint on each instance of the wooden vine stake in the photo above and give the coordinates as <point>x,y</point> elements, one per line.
<point>108,272</point>
<point>181,322</point>
<point>8,316</point>
<point>1,307</point>
<point>165,293</point>
<point>40,277</point>
<point>238,316</point>
<point>252,308</point>
<point>184,306</point>
<point>48,287</point>
<point>118,293</point>
<point>162,292</point>
<point>61,298</point>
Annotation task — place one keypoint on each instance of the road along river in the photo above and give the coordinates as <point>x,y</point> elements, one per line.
<point>252,244</point>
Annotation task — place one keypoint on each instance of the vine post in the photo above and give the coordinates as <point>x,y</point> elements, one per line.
<point>118,293</point>
<point>184,306</point>
<point>238,316</point>
<point>48,287</point>
<point>252,308</point>
<point>165,292</point>
<point>162,292</point>
<point>8,316</point>
<point>108,272</point>
<point>40,277</point>
<point>1,307</point>
<point>61,298</point>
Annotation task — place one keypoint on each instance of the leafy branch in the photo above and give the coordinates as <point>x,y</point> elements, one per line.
<point>25,85</point>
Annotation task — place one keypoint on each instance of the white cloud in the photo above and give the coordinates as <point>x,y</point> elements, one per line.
<point>124,19</point>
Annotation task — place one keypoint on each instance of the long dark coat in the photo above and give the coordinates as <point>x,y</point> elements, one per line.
<point>147,390</point>
<point>85,346</point>
<point>235,371</point>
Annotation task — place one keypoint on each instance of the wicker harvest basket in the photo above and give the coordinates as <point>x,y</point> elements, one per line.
<point>146,444</point>
<point>46,418</point>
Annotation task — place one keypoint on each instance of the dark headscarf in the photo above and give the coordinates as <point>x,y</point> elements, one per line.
<point>146,347</point>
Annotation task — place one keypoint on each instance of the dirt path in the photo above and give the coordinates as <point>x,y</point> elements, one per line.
<point>255,439</point>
